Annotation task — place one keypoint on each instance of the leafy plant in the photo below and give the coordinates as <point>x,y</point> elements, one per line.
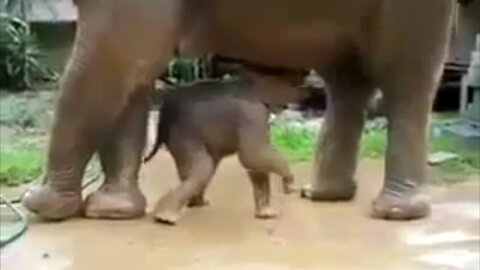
<point>20,64</point>
<point>14,7</point>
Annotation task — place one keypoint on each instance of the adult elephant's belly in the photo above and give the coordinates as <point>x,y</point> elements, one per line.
<point>290,33</point>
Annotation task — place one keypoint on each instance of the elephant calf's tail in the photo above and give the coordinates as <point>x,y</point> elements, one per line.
<point>168,113</point>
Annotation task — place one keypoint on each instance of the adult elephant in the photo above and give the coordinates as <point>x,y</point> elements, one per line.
<point>356,45</point>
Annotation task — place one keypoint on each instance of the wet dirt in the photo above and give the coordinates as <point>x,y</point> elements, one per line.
<point>225,235</point>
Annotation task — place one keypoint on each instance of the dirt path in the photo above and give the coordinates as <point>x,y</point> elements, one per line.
<point>307,236</point>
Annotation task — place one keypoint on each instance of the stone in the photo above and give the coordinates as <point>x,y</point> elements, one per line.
<point>441,157</point>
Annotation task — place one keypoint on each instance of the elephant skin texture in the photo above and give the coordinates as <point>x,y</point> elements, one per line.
<point>204,122</point>
<point>357,46</point>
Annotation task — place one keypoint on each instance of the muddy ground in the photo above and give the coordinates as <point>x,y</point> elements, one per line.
<point>306,236</point>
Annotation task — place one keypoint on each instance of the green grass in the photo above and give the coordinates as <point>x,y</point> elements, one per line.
<point>24,118</point>
<point>468,161</point>
<point>373,144</point>
<point>26,111</point>
<point>20,164</point>
<point>295,143</point>
<point>298,144</point>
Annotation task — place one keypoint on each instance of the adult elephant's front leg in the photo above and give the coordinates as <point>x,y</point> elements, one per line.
<point>119,45</point>
<point>337,146</point>
<point>87,108</point>
<point>120,157</point>
<point>83,126</point>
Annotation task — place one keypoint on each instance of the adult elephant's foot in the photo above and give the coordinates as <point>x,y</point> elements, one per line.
<point>48,203</point>
<point>115,202</point>
<point>330,191</point>
<point>395,206</point>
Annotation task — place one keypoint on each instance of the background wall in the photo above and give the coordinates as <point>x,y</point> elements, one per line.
<point>466,26</point>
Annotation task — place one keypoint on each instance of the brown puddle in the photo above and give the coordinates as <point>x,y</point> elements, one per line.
<point>310,236</point>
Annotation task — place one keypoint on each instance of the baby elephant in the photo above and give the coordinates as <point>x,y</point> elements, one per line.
<point>204,122</point>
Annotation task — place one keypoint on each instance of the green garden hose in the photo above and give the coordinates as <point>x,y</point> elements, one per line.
<point>11,230</point>
<point>9,233</point>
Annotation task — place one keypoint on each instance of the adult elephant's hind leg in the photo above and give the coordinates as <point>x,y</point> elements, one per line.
<point>409,88</point>
<point>120,156</point>
<point>409,99</point>
<point>337,146</point>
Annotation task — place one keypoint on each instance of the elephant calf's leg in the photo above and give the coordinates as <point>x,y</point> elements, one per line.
<point>120,197</point>
<point>261,195</point>
<point>201,169</point>
<point>264,158</point>
<point>260,160</point>
<point>198,200</point>
<point>180,149</point>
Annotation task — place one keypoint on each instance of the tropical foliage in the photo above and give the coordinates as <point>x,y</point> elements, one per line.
<point>20,64</point>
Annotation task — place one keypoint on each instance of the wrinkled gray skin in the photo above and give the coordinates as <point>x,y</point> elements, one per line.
<point>356,45</point>
<point>201,124</point>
